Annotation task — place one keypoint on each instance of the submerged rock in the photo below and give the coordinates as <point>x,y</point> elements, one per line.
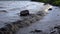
<point>24,13</point>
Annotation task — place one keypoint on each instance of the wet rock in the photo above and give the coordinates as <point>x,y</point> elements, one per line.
<point>36,30</point>
<point>3,29</point>
<point>50,9</point>
<point>6,28</point>
<point>3,11</point>
<point>24,13</point>
<point>58,27</point>
<point>52,32</point>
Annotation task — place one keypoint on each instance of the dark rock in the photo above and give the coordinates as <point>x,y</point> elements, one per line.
<point>3,11</point>
<point>50,9</point>
<point>52,32</point>
<point>58,27</point>
<point>24,13</point>
<point>31,32</point>
<point>3,29</point>
<point>36,30</point>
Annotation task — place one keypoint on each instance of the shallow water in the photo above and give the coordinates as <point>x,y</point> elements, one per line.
<point>13,8</point>
<point>46,24</point>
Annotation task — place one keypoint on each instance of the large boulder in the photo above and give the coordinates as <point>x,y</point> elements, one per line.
<point>24,13</point>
